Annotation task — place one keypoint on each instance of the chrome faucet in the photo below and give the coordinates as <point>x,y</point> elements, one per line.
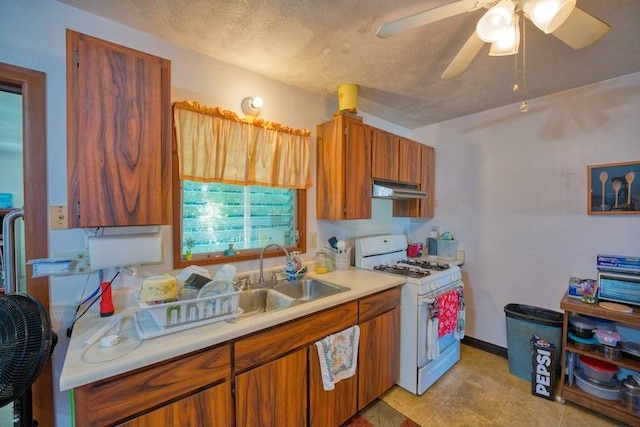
<point>261,278</point>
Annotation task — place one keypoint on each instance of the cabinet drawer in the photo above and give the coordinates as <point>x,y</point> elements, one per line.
<point>107,402</point>
<point>379,303</point>
<point>268,345</point>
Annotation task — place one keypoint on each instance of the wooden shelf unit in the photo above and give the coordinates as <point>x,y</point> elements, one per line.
<point>610,408</point>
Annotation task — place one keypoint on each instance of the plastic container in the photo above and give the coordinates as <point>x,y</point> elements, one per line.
<point>604,391</point>
<point>524,321</point>
<point>447,249</point>
<point>630,394</point>
<point>611,353</point>
<point>586,344</point>
<point>322,262</point>
<point>597,370</point>
<point>631,350</point>
<point>581,326</point>
<point>610,338</point>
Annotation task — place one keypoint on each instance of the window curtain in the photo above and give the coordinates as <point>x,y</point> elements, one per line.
<point>215,145</point>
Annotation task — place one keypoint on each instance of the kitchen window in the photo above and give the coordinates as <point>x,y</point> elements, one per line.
<point>238,186</point>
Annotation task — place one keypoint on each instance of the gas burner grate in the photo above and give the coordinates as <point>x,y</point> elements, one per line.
<point>428,265</point>
<point>402,271</point>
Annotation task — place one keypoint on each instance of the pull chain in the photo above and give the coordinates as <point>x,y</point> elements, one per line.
<point>524,107</point>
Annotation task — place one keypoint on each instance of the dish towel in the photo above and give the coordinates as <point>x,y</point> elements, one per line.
<point>447,312</point>
<point>338,354</point>
<point>459,332</point>
<point>433,345</point>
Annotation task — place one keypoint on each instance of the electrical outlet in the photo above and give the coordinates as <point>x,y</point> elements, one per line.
<point>82,264</point>
<point>313,240</point>
<point>58,216</point>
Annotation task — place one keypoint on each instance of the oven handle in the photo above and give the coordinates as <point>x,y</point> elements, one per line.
<point>427,301</point>
<point>434,294</point>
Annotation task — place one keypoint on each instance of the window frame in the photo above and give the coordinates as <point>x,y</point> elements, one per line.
<point>213,258</point>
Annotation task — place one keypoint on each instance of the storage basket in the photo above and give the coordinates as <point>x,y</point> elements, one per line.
<point>177,313</point>
<point>447,249</point>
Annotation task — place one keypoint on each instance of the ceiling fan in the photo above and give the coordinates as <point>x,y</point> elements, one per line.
<point>500,26</point>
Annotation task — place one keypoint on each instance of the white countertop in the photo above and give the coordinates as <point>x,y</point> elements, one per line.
<point>77,371</point>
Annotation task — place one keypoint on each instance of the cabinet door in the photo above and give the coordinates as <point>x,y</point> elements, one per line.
<point>274,394</point>
<point>384,155</point>
<point>358,170</point>
<point>409,161</point>
<point>379,356</point>
<point>343,170</point>
<point>329,407</point>
<point>427,207</point>
<point>211,407</point>
<point>118,124</point>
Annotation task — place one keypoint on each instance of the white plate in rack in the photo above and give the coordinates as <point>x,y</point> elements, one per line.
<point>147,327</point>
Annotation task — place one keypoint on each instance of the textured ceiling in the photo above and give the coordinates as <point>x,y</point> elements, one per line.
<point>317,45</point>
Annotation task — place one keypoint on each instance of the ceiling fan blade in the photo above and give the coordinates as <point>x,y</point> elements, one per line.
<point>464,57</point>
<point>426,17</point>
<point>581,29</point>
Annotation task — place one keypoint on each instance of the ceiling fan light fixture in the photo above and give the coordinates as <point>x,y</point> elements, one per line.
<point>509,43</point>
<point>494,23</point>
<point>548,15</point>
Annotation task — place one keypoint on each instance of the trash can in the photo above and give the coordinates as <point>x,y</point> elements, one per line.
<point>523,322</point>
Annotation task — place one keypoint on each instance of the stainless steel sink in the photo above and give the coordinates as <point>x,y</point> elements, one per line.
<point>284,295</point>
<point>261,300</point>
<point>309,289</point>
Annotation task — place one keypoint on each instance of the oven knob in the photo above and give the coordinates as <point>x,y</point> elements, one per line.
<point>434,286</point>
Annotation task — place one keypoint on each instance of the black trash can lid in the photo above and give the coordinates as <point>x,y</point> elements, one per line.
<point>533,314</point>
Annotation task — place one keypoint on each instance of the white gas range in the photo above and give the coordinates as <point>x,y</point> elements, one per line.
<point>428,349</point>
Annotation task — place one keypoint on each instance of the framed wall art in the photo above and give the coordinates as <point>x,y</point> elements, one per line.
<point>614,188</point>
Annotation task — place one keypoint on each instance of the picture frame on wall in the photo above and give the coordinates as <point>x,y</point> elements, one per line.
<point>614,188</point>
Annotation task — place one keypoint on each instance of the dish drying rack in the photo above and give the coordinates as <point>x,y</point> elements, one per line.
<point>153,320</point>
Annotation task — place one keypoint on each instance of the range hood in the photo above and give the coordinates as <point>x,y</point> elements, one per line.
<point>396,190</point>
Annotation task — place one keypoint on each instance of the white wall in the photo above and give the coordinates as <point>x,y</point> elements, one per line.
<point>512,186</point>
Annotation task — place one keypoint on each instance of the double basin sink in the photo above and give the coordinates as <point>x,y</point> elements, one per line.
<point>285,294</point>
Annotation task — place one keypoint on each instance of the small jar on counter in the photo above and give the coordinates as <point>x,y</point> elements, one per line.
<point>321,263</point>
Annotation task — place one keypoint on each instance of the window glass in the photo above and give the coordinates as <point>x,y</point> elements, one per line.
<point>216,215</point>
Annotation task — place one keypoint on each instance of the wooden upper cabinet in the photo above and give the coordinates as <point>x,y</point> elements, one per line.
<point>427,208</point>
<point>119,128</point>
<point>343,169</point>
<point>410,162</point>
<point>384,155</point>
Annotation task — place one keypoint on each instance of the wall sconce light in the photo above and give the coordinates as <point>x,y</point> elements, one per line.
<point>252,106</point>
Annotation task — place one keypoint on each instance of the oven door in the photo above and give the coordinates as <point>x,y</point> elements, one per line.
<point>435,355</point>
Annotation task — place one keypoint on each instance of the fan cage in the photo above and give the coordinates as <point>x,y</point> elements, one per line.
<point>26,340</point>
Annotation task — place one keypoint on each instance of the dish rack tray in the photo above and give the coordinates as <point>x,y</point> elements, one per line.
<point>198,311</point>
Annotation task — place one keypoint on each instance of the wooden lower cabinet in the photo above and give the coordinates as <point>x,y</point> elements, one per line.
<point>273,378</point>
<point>163,387</point>
<point>379,355</point>
<point>211,407</point>
<point>274,394</point>
<point>329,407</point>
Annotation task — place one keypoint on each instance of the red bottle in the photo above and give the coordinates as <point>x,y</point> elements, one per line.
<point>106,302</point>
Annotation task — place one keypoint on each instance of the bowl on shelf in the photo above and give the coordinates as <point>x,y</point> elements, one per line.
<point>597,370</point>
<point>581,326</point>
<point>587,344</point>
<point>603,390</point>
